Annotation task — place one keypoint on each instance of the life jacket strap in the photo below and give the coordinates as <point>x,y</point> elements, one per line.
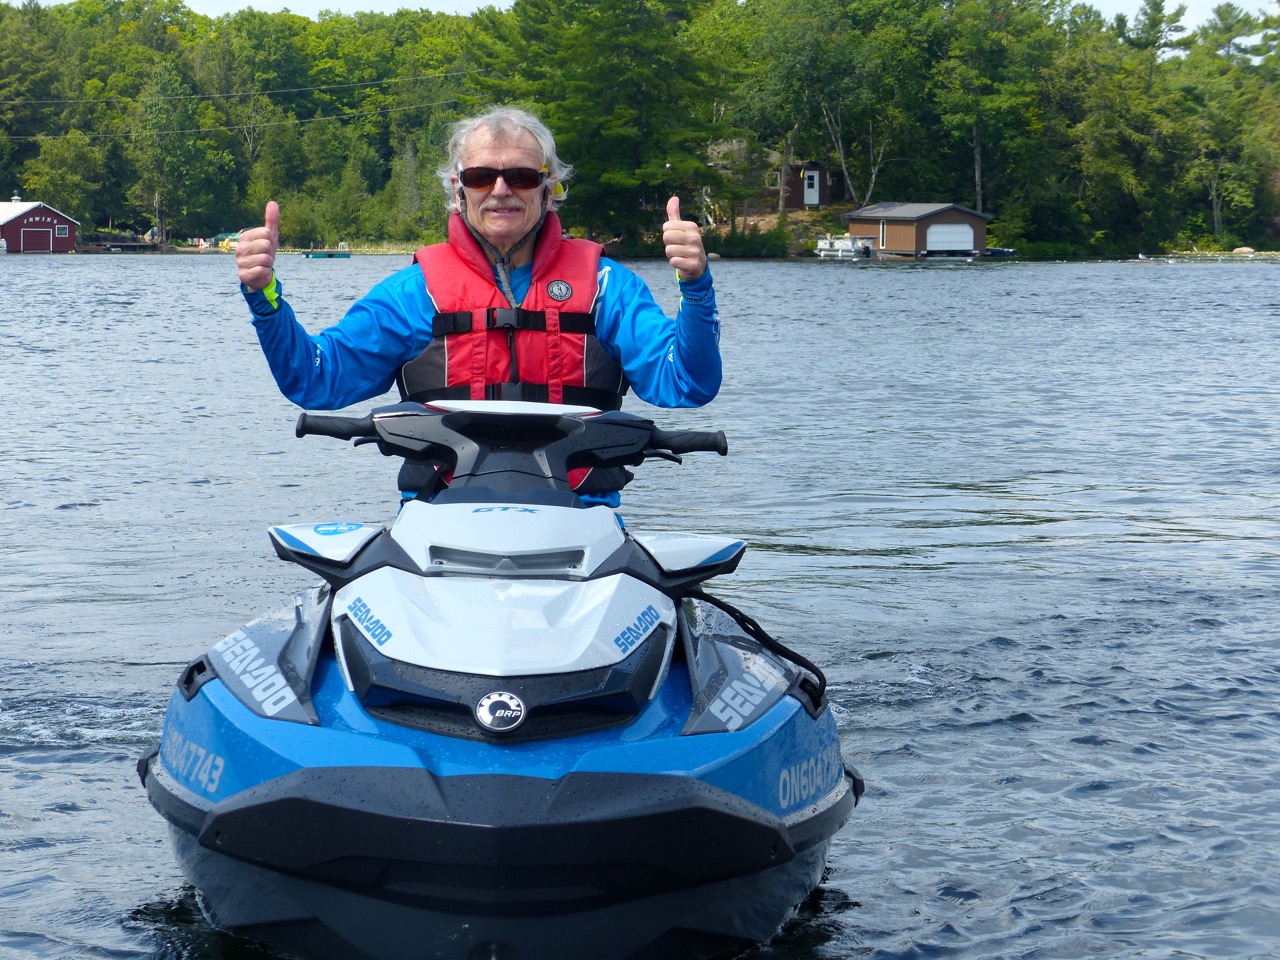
<point>510,318</point>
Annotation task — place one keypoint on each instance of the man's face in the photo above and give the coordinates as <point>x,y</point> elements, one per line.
<point>499,213</point>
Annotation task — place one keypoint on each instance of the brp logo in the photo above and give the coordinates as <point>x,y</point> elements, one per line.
<point>335,529</point>
<point>500,711</point>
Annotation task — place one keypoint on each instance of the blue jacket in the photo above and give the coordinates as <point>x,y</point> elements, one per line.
<point>669,362</point>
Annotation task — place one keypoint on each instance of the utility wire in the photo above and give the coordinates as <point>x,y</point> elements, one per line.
<point>249,93</point>
<point>241,126</point>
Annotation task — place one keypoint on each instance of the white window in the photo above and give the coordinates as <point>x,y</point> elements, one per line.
<point>64,230</point>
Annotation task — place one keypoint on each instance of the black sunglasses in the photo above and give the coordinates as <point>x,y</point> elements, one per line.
<point>518,178</point>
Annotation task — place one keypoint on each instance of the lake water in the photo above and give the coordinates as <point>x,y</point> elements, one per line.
<point>1025,515</point>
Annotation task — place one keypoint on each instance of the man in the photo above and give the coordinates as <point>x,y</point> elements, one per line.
<point>445,327</point>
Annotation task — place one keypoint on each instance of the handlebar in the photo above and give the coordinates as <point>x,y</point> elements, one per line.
<point>328,425</point>
<point>512,450</point>
<point>690,441</point>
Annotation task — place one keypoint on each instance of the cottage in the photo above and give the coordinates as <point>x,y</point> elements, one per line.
<point>808,186</point>
<point>32,227</point>
<point>922,229</point>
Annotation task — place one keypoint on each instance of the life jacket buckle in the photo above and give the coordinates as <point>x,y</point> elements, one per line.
<point>529,392</point>
<point>502,318</point>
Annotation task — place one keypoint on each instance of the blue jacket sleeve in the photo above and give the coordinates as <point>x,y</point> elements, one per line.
<point>669,362</point>
<point>354,360</point>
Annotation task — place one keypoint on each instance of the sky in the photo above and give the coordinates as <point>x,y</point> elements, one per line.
<point>1197,10</point>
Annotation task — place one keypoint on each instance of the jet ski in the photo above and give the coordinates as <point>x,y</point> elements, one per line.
<point>502,726</point>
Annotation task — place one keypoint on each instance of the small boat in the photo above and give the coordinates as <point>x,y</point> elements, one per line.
<point>342,252</point>
<point>847,247</point>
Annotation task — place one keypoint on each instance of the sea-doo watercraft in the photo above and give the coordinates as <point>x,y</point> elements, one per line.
<point>502,727</point>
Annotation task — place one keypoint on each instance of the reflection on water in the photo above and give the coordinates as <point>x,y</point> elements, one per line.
<point>1023,513</point>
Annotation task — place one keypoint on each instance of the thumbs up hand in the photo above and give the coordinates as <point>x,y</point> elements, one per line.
<point>683,240</point>
<point>256,249</point>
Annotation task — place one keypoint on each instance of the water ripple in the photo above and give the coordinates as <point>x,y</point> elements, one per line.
<point>1024,517</point>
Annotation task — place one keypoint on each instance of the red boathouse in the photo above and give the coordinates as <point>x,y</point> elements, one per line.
<point>28,226</point>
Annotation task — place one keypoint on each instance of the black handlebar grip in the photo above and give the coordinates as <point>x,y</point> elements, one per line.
<point>690,441</point>
<point>343,428</point>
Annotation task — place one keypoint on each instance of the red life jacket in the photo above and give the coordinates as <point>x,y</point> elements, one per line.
<point>484,348</point>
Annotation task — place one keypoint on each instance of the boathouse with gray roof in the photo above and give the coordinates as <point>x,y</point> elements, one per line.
<point>921,229</point>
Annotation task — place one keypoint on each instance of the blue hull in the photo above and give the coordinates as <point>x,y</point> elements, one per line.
<point>328,922</point>
<point>356,837</point>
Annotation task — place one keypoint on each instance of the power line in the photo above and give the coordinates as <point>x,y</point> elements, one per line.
<point>249,93</point>
<point>129,135</point>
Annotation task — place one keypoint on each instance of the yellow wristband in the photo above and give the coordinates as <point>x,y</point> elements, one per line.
<point>272,292</point>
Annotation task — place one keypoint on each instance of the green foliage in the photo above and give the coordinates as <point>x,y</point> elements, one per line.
<point>1080,136</point>
<point>28,75</point>
<point>66,174</point>
<point>619,88</point>
<point>772,244</point>
<point>1041,250</point>
<point>179,162</point>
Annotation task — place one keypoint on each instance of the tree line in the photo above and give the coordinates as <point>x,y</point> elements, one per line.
<point>1079,135</point>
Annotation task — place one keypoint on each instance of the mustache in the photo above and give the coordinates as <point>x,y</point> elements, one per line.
<point>513,204</point>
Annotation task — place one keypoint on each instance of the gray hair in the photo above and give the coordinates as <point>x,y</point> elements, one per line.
<point>504,124</point>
